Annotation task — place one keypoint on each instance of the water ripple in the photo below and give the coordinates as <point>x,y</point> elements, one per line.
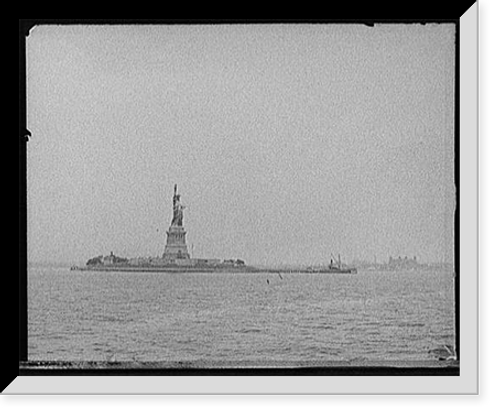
<point>161,317</point>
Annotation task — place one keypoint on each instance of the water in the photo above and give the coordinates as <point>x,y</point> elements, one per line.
<point>224,318</point>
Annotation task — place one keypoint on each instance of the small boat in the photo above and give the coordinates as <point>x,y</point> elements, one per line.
<point>338,267</point>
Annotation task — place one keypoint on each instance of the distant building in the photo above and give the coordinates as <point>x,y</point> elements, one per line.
<point>108,260</point>
<point>403,263</point>
<point>112,259</point>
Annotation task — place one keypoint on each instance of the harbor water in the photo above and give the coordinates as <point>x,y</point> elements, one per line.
<point>247,319</point>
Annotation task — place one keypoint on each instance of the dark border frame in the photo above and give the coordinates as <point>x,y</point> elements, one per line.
<point>24,368</point>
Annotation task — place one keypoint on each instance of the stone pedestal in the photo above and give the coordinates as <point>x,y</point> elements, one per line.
<point>176,247</point>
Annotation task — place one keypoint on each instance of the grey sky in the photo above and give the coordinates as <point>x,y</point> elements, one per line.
<point>287,142</point>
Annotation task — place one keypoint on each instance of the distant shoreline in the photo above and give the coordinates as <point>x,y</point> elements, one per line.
<point>261,268</point>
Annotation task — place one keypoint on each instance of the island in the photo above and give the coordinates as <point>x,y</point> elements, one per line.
<point>176,257</point>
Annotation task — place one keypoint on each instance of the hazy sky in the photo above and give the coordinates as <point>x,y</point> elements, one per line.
<point>287,142</point>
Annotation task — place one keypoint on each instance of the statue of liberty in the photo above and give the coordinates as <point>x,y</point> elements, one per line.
<point>175,247</point>
<point>177,219</point>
